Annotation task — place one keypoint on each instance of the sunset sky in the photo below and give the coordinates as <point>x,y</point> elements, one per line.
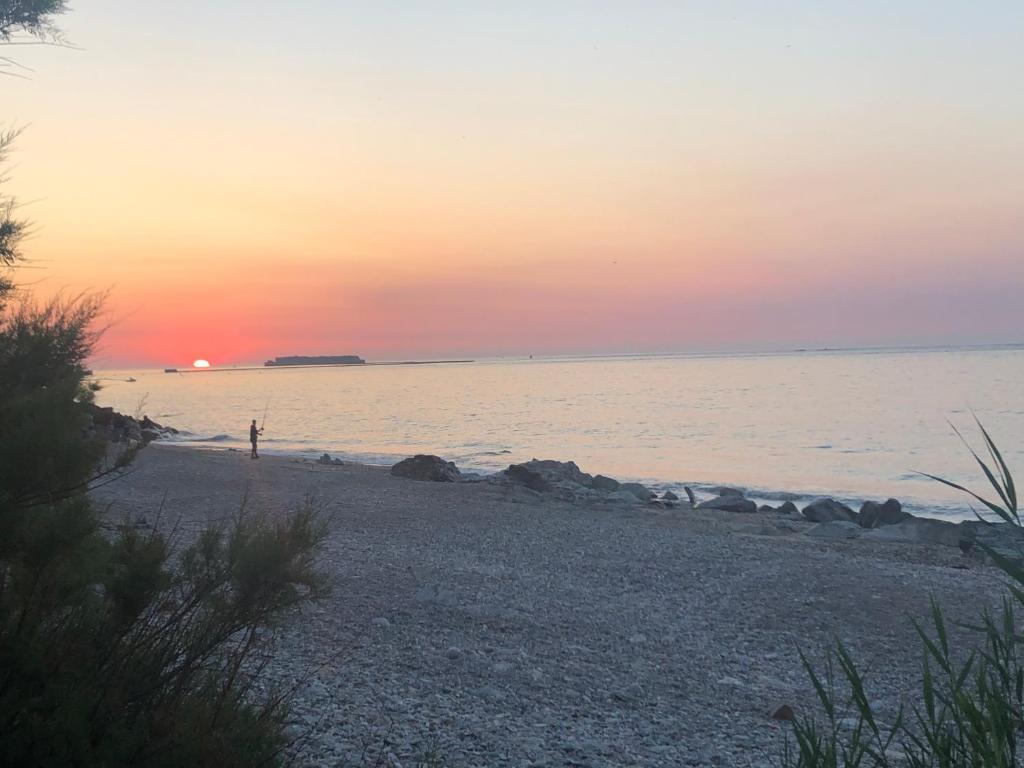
<point>397,179</point>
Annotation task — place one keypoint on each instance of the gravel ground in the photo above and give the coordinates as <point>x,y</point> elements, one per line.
<point>501,630</point>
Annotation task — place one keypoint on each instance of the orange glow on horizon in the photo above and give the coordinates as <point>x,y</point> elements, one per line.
<point>201,364</point>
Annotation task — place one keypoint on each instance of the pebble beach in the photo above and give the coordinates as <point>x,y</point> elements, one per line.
<point>491,626</point>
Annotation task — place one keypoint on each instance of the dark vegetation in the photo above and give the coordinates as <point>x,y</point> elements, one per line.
<point>969,711</point>
<point>119,646</point>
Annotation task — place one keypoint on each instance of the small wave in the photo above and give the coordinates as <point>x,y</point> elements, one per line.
<point>185,437</point>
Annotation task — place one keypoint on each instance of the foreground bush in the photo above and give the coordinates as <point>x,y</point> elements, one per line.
<point>970,709</point>
<point>114,649</point>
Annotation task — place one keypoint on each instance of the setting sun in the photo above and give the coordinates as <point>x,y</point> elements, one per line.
<point>201,364</point>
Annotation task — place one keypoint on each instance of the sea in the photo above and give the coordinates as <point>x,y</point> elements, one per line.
<point>850,424</point>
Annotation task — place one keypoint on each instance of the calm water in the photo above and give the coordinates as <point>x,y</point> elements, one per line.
<point>852,425</point>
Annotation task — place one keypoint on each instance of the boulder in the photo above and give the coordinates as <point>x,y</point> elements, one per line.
<point>148,423</point>
<point>602,483</point>
<point>784,712</point>
<point>828,510</point>
<point>726,491</point>
<point>729,504</point>
<point>669,496</point>
<point>873,515</point>
<point>785,508</point>
<point>642,492</point>
<point>542,475</point>
<point>835,529</point>
<point>103,417</point>
<point>425,467</point>
<point>528,478</point>
<point>622,497</point>
<point>926,530</point>
<point>1002,539</point>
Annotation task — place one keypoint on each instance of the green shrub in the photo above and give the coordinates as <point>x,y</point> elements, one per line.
<point>970,709</point>
<point>122,647</point>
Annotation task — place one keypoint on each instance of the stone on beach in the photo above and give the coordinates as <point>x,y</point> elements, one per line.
<point>828,510</point>
<point>642,492</point>
<point>427,468</point>
<point>544,474</point>
<point>602,483</point>
<point>727,491</point>
<point>729,504</point>
<point>872,514</point>
<point>924,530</point>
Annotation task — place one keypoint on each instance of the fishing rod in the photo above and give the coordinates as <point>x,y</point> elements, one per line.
<point>265,415</point>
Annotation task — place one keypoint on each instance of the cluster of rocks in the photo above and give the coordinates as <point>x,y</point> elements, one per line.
<point>329,460</point>
<point>562,480</point>
<point>115,427</point>
<point>427,468</point>
<point>565,481</point>
<point>832,519</point>
<point>882,521</point>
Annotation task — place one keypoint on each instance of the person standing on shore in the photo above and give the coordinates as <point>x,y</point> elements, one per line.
<point>254,434</point>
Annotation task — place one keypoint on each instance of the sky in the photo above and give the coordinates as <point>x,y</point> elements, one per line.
<point>437,179</point>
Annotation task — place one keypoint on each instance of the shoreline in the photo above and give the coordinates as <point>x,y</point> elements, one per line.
<point>504,625</point>
<point>953,512</point>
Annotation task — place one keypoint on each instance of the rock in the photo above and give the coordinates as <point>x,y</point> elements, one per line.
<point>381,622</point>
<point>528,478</point>
<point>543,475</point>
<point>784,712</point>
<point>148,423</point>
<point>765,508</point>
<point>669,496</point>
<point>925,530</point>
<point>642,492</point>
<point>502,668</point>
<point>690,496</point>
<point>325,459</point>
<point>1003,539</point>
<point>424,467</point>
<point>828,510</point>
<point>103,417</point>
<point>602,483</point>
<point>729,504</point>
<point>872,514</point>
<point>622,497</point>
<point>787,508</point>
<point>453,653</point>
<point>726,491</point>
<point>835,529</point>
<point>149,435</point>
